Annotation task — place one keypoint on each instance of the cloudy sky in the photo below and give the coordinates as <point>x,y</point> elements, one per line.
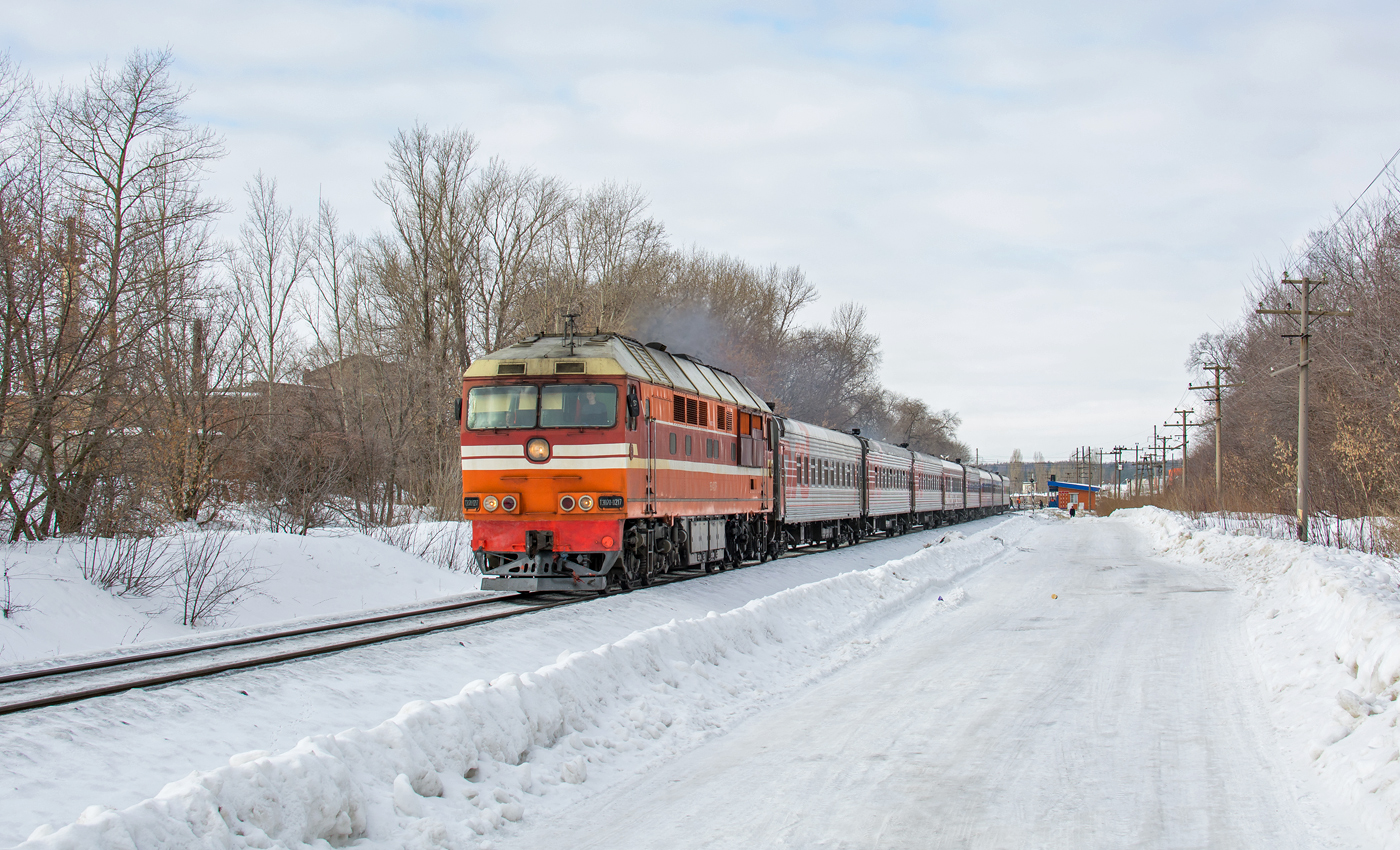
<point>1040,204</point>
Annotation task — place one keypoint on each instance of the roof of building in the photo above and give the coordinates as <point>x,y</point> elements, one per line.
<point>614,354</point>
<point>1070,485</point>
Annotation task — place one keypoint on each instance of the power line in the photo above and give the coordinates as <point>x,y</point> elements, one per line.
<point>1383,170</point>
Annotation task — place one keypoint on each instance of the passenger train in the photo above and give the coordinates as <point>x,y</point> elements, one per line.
<point>594,462</point>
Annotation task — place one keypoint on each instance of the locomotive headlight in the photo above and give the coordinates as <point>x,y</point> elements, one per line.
<point>585,503</point>
<point>537,450</point>
<point>490,503</point>
<point>508,503</point>
<point>566,503</point>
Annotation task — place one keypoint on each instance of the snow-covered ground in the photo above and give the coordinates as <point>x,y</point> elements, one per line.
<point>1027,681</point>
<point>119,750</point>
<point>55,612</point>
<point>1324,629</point>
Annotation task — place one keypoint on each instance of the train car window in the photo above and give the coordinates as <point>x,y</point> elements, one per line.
<point>578,406</point>
<point>687,445</point>
<point>673,443</point>
<point>501,407</point>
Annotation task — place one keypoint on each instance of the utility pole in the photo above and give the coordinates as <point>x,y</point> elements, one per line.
<point>1303,316</point>
<point>1183,425</point>
<point>1137,470</point>
<point>1219,417</point>
<point>1117,453</point>
<point>1155,441</point>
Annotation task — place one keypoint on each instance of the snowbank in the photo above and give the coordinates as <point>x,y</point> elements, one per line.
<point>443,773</point>
<point>1326,631</point>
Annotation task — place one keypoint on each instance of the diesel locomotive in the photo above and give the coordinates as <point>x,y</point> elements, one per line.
<point>591,462</point>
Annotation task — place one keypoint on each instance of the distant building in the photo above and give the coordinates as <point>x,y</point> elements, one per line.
<point>1063,494</point>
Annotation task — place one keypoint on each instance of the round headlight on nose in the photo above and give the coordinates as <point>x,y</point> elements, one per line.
<point>537,450</point>
<point>490,503</point>
<point>567,503</point>
<point>585,503</point>
<point>508,503</point>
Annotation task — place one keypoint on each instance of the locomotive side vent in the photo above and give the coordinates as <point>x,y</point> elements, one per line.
<point>510,369</point>
<point>574,368</point>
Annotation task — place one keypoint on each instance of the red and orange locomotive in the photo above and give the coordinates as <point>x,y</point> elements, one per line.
<point>590,461</point>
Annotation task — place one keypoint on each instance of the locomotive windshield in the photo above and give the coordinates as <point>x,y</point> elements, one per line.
<point>558,406</point>
<point>501,407</point>
<point>578,406</point>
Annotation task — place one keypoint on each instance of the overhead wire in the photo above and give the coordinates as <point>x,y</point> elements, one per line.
<point>1384,169</point>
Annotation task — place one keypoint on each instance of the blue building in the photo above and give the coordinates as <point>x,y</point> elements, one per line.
<point>1063,494</point>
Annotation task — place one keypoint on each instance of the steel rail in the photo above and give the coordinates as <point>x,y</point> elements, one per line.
<point>174,652</point>
<point>263,660</point>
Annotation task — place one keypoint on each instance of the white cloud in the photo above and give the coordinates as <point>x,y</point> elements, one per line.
<point>982,176</point>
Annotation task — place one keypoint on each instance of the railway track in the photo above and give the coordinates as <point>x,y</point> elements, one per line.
<point>43,687</point>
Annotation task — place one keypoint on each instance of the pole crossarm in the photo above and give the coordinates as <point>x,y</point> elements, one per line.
<point>1311,313</point>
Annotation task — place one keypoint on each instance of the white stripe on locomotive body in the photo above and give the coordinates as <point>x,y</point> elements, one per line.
<point>618,462</point>
<point>510,464</point>
<point>802,444</point>
<point>593,450</point>
<point>518,450</point>
<point>506,450</point>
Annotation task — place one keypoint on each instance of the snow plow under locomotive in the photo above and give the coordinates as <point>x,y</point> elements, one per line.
<point>597,461</point>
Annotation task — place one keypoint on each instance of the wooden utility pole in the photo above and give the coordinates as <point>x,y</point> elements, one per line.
<point>1219,417</point>
<point>1117,452</point>
<point>1137,470</point>
<point>1303,316</point>
<point>1156,459</point>
<point>1183,425</point>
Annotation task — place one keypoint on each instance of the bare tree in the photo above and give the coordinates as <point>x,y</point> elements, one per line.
<point>428,192</point>
<point>333,269</point>
<point>273,256</point>
<point>108,174</point>
<point>513,212</point>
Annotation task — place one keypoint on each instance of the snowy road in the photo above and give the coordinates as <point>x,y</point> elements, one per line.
<point>1123,713</point>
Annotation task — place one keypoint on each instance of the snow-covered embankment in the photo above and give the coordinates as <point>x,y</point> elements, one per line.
<point>445,772</point>
<point>1325,628</point>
